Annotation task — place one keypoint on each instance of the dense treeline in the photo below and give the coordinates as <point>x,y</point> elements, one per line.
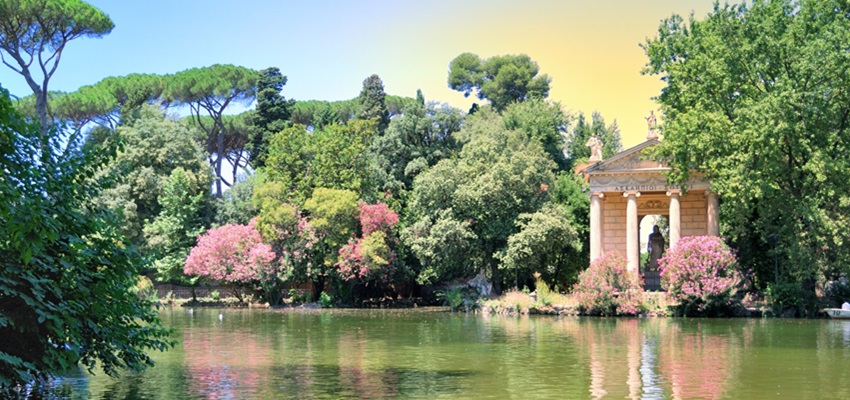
<point>376,195</point>
<point>372,147</point>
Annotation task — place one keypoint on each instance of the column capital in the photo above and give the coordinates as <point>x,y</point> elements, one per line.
<point>677,192</point>
<point>601,195</point>
<point>628,193</point>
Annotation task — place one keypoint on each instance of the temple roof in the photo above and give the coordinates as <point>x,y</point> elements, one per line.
<point>628,160</point>
<point>627,170</point>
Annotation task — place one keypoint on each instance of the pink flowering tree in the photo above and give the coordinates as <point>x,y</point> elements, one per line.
<point>607,288</point>
<point>370,258</point>
<point>702,275</point>
<point>233,255</point>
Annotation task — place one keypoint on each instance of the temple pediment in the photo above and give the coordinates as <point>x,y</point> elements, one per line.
<point>629,160</point>
<point>630,170</point>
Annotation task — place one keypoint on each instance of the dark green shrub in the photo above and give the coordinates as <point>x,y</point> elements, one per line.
<point>325,300</point>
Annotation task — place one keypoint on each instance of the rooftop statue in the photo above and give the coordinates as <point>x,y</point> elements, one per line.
<point>652,132</point>
<point>595,149</point>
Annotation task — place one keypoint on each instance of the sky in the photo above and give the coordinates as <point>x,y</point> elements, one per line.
<point>327,48</point>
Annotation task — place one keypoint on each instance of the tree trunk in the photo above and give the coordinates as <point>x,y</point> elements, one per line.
<point>494,274</point>
<point>41,110</point>
<point>219,148</point>
<point>318,287</point>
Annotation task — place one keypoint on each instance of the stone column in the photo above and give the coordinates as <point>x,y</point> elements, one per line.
<point>675,217</point>
<point>632,240</point>
<point>596,225</point>
<point>712,220</point>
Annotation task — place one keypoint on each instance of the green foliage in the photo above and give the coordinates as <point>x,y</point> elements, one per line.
<point>320,113</point>
<point>415,140</point>
<point>756,101</point>
<point>67,276</point>
<point>372,103</point>
<point>542,121</point>
<point>501,79</point>
<point>208,92</point>
<point>333,157</point>
<point>34,34</point>
<point>571,192</point>
<point>174,231</point>
<point>474,199</point>
<point>272,114</point>
<point>215,295</point>
<point>334,212</point>
<point>837,292</point>
<point>108,102</point>
<point>325,300</point>
<point>144,288</point>
<point>452,297</point>
<point>271,200</point>
<point>153,147</point>
<point>547,242</point>
<point>334,216</point>
<point>441,244</point>
<point>236,205</point>
<point>789,298</point>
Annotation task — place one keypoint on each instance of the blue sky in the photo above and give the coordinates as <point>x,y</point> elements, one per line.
<point>326,48</point>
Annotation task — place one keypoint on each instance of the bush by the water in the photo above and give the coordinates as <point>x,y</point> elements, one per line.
<point>325,300</point>
<point>702,275</point>
<point>607,288</point>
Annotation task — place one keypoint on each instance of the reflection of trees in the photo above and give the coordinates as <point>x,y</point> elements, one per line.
<point>225,363</point>
<point>361,367</point>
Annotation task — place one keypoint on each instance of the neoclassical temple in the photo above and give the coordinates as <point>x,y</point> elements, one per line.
<point>627,187</point>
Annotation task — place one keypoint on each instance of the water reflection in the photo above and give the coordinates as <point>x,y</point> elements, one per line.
<point>251,354</point>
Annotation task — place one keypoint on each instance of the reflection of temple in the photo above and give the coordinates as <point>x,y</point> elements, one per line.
<point>626,187</point>
<point>655,360</point>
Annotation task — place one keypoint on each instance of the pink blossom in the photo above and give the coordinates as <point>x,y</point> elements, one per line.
<point>607,288</point>
<point>702,274</point>
<point>370,257</point>
<point>229,254</point>
<point>376,217</point>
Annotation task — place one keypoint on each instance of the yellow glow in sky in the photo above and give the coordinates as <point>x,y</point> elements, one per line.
<point>589,49</point>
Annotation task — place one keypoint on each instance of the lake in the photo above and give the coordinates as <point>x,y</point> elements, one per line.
<point>432,353</point>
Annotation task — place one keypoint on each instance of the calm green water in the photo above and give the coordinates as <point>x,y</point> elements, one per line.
<point>261,354</point>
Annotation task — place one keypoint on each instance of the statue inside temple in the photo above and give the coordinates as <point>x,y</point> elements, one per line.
<point>655,246</point>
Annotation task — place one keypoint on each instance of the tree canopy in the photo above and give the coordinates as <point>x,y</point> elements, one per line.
<point>469,204</point>
<point>153,146</point>
<point>332,158</point>
<point>372,102</point>
<point>499,79</point>
<point>756,99</point>
<point>208,92</point>
<point>414,141</point>
<point>33,34</point>
<point>271,116</point>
